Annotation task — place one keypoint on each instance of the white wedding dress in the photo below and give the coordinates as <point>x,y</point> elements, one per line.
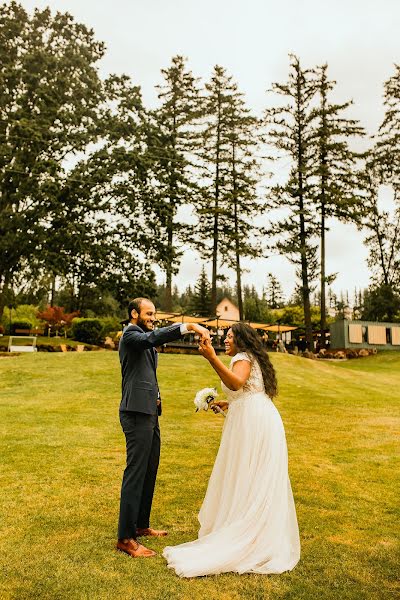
<point>248,519</point>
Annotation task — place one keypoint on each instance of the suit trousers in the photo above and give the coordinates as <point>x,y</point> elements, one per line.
<point>142,436</point>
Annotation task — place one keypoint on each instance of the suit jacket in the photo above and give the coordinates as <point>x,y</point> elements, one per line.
<point>138,359</point>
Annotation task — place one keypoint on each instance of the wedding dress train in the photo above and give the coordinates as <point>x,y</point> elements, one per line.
<point>248,519</point>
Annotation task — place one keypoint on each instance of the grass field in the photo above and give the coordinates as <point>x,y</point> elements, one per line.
<point>62,456</point>
<point>42,341</point>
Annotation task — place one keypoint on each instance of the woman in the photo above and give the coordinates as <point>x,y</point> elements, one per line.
<point>248,520</point>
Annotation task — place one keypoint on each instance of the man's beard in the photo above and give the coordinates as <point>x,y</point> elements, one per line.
<point>143,325</point>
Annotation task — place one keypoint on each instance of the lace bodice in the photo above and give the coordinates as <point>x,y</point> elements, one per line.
<point>253,385</point>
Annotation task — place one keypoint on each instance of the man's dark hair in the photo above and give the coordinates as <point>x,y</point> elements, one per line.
<point>135,304</point>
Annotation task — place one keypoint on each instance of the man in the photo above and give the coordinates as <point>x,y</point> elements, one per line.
<point>139,410</point>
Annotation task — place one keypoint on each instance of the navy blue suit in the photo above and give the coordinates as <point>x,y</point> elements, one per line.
<point>139,420</point>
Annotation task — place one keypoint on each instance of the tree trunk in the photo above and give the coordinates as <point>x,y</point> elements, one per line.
<point>53,290</point>
<point>2,302</point>
<point>73,295</point>
<point>4,294</point>
<point>168,283</point>
<point>303,236</point>
<point>381,247</point>
<point>214,260</point>
<point>239,282</point>
<point>305,285</point>
<point>323,159</point>
<point>216,209</point>
<point>170,225</point>
<point>323,278</point>
<point>237,244</point>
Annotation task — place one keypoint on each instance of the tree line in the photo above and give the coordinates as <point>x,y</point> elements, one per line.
<point>271,306</point>
<point>95,187</point>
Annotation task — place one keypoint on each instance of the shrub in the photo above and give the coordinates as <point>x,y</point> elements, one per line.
<point>109,324</point>
<point>89,331</point>
<point>27,313</point>
<point>56,318</point>
<point>24,313</point>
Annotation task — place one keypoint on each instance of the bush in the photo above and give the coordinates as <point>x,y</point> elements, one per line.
<point>23,313</point>
<point>88,331</point>
<point>109,324</point>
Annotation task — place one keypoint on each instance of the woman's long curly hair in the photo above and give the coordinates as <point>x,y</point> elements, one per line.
<point>247,340</point>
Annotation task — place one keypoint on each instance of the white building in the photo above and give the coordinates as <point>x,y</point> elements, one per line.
<point>227,310</point>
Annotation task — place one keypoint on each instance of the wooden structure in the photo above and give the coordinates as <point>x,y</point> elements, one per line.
<point>347,333</point>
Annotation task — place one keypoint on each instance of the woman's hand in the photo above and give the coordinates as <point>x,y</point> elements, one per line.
<point>221,404</point>
<point>207,350</point>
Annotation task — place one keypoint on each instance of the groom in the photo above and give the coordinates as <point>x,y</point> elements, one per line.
<point>139,410</point>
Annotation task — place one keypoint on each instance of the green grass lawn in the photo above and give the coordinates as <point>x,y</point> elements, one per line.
<point>62,456</point>
<point>43,340</point>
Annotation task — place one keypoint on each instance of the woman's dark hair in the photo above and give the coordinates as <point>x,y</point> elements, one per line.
<point>248,340</point>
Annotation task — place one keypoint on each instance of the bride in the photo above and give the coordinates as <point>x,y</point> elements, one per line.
<point>248,519</point>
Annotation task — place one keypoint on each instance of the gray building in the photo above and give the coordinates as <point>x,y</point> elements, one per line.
<point>365,334</point>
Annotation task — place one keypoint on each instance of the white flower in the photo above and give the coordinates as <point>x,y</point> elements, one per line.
<point>204,397</point>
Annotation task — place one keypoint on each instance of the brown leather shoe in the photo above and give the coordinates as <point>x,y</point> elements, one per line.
<point>149,532</point>
<point>134,549</point>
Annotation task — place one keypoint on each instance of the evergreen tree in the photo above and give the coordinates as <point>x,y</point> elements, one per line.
<point>186,299</point>
<point>337,192</point>
<point>383,168</point>
<point>229,201</point>
<point>332,299</point>
<point>201,300</point>
<point>387,148</point>
<point>255,307</point>
<point>243,206</point>
<point>172,146</point>
<point>381,303</point>
<point>357,303</point>
<point>383,240</point>
<point>273,292</point>
<point>212,207</point>
<point>291,132</point>
<point>226,291</point>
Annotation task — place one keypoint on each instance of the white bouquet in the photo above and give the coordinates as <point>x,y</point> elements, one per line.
<point>204,398</point>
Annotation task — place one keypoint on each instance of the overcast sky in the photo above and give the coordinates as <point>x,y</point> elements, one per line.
<point>359,39</point>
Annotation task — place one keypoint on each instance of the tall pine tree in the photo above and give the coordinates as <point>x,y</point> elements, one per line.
<point>291,131</point>
<point>172,145</point>
<point>383,239</point>
<point>229,202</point>
<point>241,194</point>
<point>212,209</point>
<point>337,190</point>
<point>383,168</point>
<point>387,147</point>
<point>200,304</point>
<point>273,292</point>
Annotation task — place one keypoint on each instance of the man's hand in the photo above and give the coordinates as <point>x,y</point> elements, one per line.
<point>202,331</point>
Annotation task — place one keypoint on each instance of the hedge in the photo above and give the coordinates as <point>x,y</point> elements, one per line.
<point>88,331</point>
